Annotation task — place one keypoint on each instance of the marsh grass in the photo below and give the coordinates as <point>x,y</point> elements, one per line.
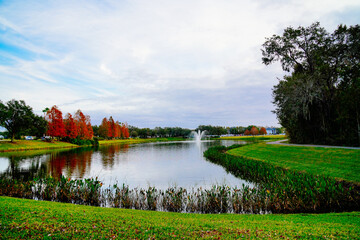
<point>217,199</point>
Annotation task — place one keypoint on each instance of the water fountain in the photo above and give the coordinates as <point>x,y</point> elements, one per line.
<point>198,135</point>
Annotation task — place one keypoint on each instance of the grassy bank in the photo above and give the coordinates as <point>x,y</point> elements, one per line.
<point>332,162</point>
<point>22,218</point>
<point>255,138</point>
<point>282,190</point>
<point>138,140</point>
<point>24,145</point>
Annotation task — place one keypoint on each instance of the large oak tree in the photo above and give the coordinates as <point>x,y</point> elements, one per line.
<point>17,117</point>
<point>319,100</point>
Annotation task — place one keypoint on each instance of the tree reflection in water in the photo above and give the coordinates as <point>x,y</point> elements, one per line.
<point>71,163</point>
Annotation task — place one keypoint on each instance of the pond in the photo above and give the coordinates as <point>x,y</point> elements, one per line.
<point>161,164</point>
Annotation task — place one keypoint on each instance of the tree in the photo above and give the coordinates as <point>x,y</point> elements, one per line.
<point>254,131</point>
<point>55,122</point>
<point>37,127</point>
<point>263,131</point>
<point>71,129</point>
<point>95,129</point>
<point>112,130</point>
<point>318,102</point>
<point>125,131</point>
<point>104,128</point>
<point>15,116</point>
<point>247,132</point>
<point>90,132</point>
<point>82,125</point>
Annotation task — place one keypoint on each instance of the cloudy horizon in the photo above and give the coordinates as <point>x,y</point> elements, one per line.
<point>152,63</point>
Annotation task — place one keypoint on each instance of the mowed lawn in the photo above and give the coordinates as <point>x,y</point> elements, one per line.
<point>333,162</point>
<point>24,219</point>
<point>20,145</point>
<point>255,138</point>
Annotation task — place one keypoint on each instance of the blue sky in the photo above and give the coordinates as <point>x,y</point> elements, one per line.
<point>152,63</point>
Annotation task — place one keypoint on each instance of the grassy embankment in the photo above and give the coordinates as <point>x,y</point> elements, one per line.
<point>22,218</point>
<point>25,145</point>
<point>255,138</point>
<point>342,164</point>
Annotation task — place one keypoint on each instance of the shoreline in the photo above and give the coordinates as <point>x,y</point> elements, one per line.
<point>32,145</point>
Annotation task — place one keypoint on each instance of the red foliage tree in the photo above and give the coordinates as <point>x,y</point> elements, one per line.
<point>125,131</point>
<point>55,123</point>
<point>263,131</point>
<point>117,130</point>
<point>104,128</point>
<point>254,131</point>
<point>247,132</point>
<point>81,123</point>
<point>71,130</point>
<point>111,133</point>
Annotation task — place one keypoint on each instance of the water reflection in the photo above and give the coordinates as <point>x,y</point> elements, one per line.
<point>156,164</point>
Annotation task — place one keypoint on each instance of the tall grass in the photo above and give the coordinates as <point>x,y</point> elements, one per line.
<point>218,199</point>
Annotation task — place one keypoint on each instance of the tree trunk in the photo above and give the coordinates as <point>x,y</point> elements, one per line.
<point>12,137</point>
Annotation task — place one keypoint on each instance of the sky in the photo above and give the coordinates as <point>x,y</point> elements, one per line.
<point>153,63</point>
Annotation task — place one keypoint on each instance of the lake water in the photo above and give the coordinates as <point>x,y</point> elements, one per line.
<point>162,165</point>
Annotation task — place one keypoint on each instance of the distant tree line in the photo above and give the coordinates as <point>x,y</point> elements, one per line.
<point>319,100</point>
<point>165,132</point>
<point>185,132</point>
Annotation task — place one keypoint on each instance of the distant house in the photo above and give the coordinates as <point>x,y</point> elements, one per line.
<point>1,137</point>
<point>271,131</point>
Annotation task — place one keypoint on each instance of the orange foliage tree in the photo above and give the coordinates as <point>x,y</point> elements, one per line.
<point>82,123</point>
<point>125,131</point>
<point>247,132</point>
<point>104,128</point>
<point>111,129</point>
<point>71,130</point>
<point>254,131</point>
<point>111,132</point>
<point>55,122</point>
<point>263,131</point>
<point>117,130</point>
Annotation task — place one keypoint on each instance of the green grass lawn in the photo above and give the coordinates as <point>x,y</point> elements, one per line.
<point>20,145</point>
<point>21,218</point>
<point>255,138</point>
<point>333,162</point>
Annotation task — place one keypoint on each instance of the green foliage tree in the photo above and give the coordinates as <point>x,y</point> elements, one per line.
<point>212,130</point>
<point>17,117</point>
<point>316,103</point>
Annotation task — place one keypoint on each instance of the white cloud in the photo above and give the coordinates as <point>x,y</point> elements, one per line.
<point>136,58</point>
